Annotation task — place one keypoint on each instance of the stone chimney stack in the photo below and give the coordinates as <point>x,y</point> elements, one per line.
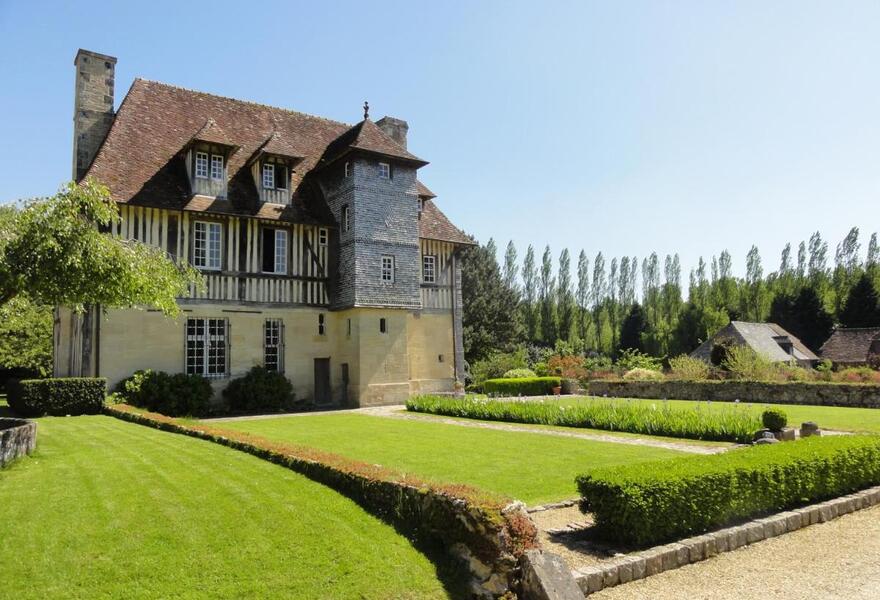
<point>394,128</point>
<point>92,106</point>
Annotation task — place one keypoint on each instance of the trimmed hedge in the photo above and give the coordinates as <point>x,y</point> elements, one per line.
<point>260,391</point>
<point>738,425</point>
<point>58,396</point>
<point>522,386</point>
<point>652,503</point>
<point>470,523</point>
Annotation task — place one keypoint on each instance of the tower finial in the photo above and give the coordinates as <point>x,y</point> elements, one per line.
<point>366,110</point>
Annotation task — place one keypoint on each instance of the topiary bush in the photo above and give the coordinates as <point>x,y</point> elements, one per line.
<point>523,386</point>
<point>172,395</point>
<point>774,419</point>
<point>57,396</point>
<point>650,503</point>
<point>260,390</point>
<point>518,374</point>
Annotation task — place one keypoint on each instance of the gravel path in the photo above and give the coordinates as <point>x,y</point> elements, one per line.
<point>834,560</point>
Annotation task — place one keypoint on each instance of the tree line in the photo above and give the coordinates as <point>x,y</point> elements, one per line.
<point>607,305</point>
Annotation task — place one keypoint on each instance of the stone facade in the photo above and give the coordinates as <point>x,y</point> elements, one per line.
<point>93,106</point>
<point>820,394</point>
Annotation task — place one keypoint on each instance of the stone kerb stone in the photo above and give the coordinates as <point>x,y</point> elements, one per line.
<point>655,560</point>
<point>17,438</point>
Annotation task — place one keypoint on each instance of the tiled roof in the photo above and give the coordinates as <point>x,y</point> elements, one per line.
<point>434,225</point>
<point>762,338</point>
<point>141,158</point>
<point>850,345</point>
<point>423,190</point>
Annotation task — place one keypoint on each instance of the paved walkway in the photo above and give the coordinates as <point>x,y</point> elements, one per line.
<point>834,560</point>
<point>399,412</point>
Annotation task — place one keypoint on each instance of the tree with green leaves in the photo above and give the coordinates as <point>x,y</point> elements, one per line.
<point>530,295</point>
<point>565,298</point>
<point>489,322</point>
<point>55,252</point>
<point>547,292</point>
<point>804,315</point>
<point>583,294</point>
<point>511,270</point>
<point>633,329</point>
<point>862,307</point>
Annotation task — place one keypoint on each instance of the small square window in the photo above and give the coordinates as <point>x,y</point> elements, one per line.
<point>388,268</point>
<point>346,218</point>
<point>322,237</point>
<point>321,328</point>
<point>348,169</point>
<point>216,167</point>
<point>439,358</point>
<point>202,165</point>
<point>384,171</point>
<point>383,326</point>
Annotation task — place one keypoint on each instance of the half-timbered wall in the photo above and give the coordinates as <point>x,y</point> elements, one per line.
<point>437,295</point>
<point>240,277</point>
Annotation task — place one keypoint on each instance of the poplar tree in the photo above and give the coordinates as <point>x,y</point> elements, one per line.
<point>530,295</point>
<point>565,298</point>
<point>583,294</point>
<point>548,298</point>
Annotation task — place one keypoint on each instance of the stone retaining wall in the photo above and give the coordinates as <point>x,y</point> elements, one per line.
<point>694,549</point>
<point>822,394</point>
<point>17,438</point>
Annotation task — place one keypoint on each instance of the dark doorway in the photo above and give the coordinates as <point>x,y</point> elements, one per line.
<point>322,381</point>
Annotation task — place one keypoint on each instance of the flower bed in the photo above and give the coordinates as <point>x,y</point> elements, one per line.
<point>737,425</point>
<point>649,502</point>
<point>487,531</point>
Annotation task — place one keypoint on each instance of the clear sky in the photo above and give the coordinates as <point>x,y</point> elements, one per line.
<point>626,127</point>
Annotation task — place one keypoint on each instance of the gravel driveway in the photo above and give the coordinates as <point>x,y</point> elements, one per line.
<point>839,559</point>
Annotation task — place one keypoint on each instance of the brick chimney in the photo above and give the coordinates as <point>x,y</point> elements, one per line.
<point>92,106</point>
<point>394,128</point>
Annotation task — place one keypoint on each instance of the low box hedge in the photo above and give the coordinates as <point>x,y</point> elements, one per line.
<point>58,396</point>
<point>522,386</point>
<point>652,503</point>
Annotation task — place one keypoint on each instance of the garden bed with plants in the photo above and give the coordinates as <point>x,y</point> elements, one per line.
<point>652,503</point>
<point>658,418</point>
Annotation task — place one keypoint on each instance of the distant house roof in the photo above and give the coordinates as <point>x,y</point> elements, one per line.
<point>140,158</point>
<point>851,345</point>
<point>768,339</point>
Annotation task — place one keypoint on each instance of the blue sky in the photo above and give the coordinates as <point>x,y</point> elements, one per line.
<point>626,127</point>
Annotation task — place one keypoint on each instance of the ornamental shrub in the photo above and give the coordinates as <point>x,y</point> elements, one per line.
<point>567,367</point>
<point>523,386</point>
<point>643,375</point>
<point>688,368</point>
<point>518,374</point>
<point>774,419</point>
<point>496,365</point>
<point>732,423</point>
<point>744,363</point>
<point>259,390</point>
<point>650,503</point>
<point>57,396</point>
<point>175,395</point>
<point>631,359</point>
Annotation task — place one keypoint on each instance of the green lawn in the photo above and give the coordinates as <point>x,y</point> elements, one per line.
<point>532,468</point>
<point>828,417</point>
<point>108,509</point>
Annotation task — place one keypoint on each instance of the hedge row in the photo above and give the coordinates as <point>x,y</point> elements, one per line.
<point>177,395</point>
<point>494,530</point>
<point>737,425</point>
<point>59,396</point>
<point>652,503</point>
<point>522,386</point>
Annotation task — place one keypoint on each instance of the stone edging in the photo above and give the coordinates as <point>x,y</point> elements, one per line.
<point>694,549</point>
<point>552,506</point>
<point>17,440</point>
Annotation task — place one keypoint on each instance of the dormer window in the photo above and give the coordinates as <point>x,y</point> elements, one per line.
<point>384,170</point>
<point>274,176</point>
<point>202,165</point>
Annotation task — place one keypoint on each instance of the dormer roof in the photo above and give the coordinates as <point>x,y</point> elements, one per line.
<point>211,133</point>
<point>279,145</point>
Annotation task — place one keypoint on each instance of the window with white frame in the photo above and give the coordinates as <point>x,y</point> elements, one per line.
<point>348,169</point>
<point>384,170</point>
<point>202,165</point>
<point>388,268</point>
<point>206,245</point>
<point>207,352</point>
<point>274,250</point>
<point>273,345</point>
<point>268,176</point>
<point>217,170</point>
<point>322,237</point>
<point>346,218</point>
<point>429,268</point>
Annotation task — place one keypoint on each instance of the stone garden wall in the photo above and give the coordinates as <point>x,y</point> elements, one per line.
<point>17,438</point>
<point>823,394</point>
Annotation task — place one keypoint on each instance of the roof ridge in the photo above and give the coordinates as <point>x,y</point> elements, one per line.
<point>240,101</point>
